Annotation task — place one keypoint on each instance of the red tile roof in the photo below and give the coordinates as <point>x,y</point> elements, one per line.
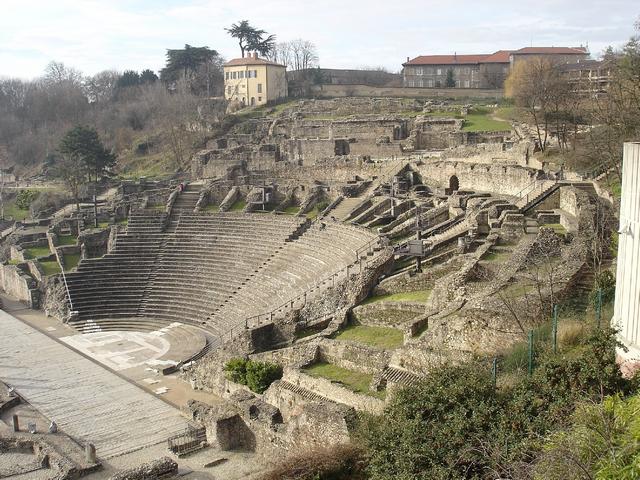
<point>501,56</point>
<point>552,50</point>
<point>446,60</point>
<point>250,61</point>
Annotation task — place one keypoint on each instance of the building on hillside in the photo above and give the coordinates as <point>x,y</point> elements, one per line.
<point>480,70</point>
<point>558,55</point>
<point>588,76</point>
<point>626,315</point>
<point>254,81</point>
<point>432,71</point>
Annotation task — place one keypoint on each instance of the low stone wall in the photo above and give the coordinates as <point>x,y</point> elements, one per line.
<point>369,91</point>
<point>334,391</point>
<point>352,356</point>
<point>153,470</point>
<point>18,284</point>
<point>479,177</point>
<point>387,314</point>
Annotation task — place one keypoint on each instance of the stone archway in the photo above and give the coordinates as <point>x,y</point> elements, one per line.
<point>454,184</point>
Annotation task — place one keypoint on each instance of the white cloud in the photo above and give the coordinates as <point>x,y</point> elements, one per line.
<point>94,35</point>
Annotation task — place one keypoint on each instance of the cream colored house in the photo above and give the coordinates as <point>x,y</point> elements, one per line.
<point>254,81</point>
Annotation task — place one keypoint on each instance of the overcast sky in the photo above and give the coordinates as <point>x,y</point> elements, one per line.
<point>95,35</point>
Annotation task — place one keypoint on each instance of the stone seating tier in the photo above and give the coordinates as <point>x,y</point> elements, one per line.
<point>210,269</point>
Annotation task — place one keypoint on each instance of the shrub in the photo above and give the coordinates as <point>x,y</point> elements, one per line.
<point>25,197</point>
<point>606,282</point>
<point>338,462</point>
<point>262,374</point>
<point>454,425</point>
<point>236,370</point>
<point>603,442</point>
<point>255,375</point>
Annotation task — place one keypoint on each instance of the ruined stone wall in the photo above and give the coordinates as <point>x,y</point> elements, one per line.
<point>18,284</point>
<point>347,106</point>
<point>498,179</point>
<point>367,91</point>
<point>334,392</point>
<point>352,356</point>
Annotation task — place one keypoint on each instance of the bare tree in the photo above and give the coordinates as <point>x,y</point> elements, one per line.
<point>296,54</point>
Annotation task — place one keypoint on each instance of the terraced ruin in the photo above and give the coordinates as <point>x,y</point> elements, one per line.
<point>352,244</point>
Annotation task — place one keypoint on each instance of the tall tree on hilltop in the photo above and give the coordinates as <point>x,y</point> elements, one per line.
<point>251,39</point>
<point>148,76</point>
<point>84,144</point>
<point>184,62</point>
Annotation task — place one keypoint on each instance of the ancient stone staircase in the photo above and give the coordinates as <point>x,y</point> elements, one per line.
<point>400,376</point>
<point>302,392</point>
<point>343,209</point>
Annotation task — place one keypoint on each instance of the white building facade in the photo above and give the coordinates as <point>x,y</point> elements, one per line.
<point>626,315</point>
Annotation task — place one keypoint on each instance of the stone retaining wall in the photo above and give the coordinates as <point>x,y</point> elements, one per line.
<point>18,284</point>
<point>334,391</point>
<point>352,356</point>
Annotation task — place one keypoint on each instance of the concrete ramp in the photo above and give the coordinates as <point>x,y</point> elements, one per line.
<point>88,402</point>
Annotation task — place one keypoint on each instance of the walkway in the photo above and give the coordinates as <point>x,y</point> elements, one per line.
<point>88,402</point>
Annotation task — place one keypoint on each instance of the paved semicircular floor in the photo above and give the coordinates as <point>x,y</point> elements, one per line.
<point>90,403</point>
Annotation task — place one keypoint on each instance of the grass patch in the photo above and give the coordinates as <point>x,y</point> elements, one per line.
<point>124,221</point>
<point>14,262</point>
<point>238,206</point>
<point>494,256</point>
<point>11,210</point>
<point>71,261</point>
<point>67,239</point>
<point>50,267</point>
<point>292,210</point>
<point>211,208</point>
<point>379,337</point>
<point>421,296</point>
<point>475,122</point>
<point>355,381</point>
<point>37,252</point>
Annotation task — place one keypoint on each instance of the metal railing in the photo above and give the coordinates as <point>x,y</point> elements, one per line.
<point>64,280</point>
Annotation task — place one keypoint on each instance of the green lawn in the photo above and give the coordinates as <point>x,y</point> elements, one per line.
<point>292,210</point>
<point>67,239</point>
<point>477,122</point>
<point>494,256</point>
<point>355,381</point>
<point>36,252</point>
<point>379,337</point>
<point>50,267</point>
<point>124,221</point>
<point>71,261</point>
<point>238,206</point>
<point>11,210</point>
<point>211,208</point>
<point>417,296</point>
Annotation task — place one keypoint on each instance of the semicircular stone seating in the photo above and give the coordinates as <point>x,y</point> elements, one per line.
<point>210,270</point>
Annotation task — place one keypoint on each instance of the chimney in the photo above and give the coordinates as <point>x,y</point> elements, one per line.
<point>407,59</point>
<point>255,55</point>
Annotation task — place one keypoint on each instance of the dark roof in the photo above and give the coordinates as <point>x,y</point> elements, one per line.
<point>251,61</point>
<point>551,51</point>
